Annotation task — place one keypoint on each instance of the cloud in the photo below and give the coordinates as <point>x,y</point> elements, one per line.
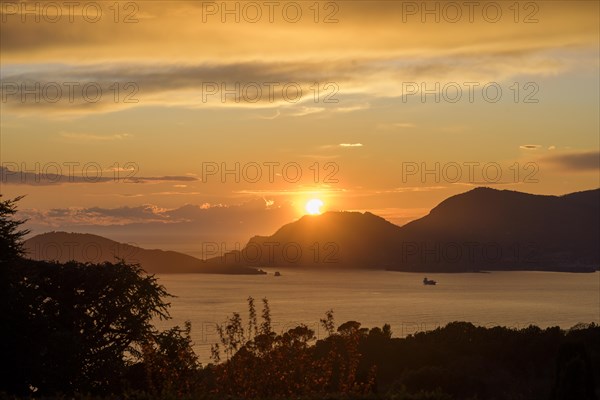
<point>394,126</point>
<point>12,174</point>
<point>411,189</point>
<point>179,32</point>
<point>298,192</point>
<point>184,228</point>
<point>302,111</point>
<point>583,161</point>
<point>74,216</point>
<point>167,178</point>
<point>351,145</point>
<point>292,87</point>
<point>269,117</point>
<point>163,59</point>
<point>205,213</point>
<point>403,125</point>
<point>352,108</point>
<point>530,146</point>
<point>91,137</point>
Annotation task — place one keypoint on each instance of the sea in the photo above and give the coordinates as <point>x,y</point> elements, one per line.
<point>374,298</point>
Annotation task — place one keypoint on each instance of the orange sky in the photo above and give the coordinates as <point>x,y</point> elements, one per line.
<point>361,98</point>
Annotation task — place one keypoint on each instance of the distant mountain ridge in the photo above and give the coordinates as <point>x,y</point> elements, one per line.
<point>531,231</point>
<point>85,247</point>
<point>482,229</point>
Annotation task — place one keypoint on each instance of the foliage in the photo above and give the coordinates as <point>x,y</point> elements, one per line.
<point>264,364</point>
<point>74,327</point>
<point>169,363</point>
<point>11,237</point>
<point>78,323</point>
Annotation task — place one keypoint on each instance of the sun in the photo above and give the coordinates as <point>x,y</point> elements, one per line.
<point>313,206</point>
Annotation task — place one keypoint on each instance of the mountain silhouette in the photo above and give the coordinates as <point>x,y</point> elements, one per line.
<point>481,229</point>
<point>82,247</point>
<point>504,229</point>
<point>333,239</point>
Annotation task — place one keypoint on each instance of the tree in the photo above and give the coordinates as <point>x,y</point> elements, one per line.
<point>170,365</point>
<point>80,324</point>
<point>12,309</point>
<point>72,327</point>
<point>11,237</point>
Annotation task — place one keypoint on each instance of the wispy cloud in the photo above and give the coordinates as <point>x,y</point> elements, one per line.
<point>146,213</point>
<point>351,145</point>
<point>530,146</point>
<point>411,189</point>
<point>295,88</point>
<point>92,137</point>
<point>16,176</point>
<point>581,161</point>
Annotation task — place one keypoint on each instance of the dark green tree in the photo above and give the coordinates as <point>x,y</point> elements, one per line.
<point>74,327</point>
<point>170,366</point>
<point>11,236</point>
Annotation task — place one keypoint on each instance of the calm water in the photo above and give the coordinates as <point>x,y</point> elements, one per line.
<point>514,299</point>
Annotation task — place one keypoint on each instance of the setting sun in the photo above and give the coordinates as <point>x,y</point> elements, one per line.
<point>291,199</point>
<point>313,206</point>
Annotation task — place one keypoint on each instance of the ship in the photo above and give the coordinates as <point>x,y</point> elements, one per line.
<point>429,281</point>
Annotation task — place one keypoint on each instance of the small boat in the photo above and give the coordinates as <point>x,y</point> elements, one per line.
<point>277,273</point>
<point>429,281</point>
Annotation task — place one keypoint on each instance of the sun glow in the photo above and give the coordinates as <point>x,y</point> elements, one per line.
<point>313,206</point>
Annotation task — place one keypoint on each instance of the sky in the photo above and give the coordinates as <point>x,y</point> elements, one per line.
<point>172,123</point>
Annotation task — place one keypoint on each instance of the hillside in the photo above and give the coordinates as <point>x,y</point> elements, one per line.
<point>481,229</point>
<point>63,247</point>
<point>503,229</point>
